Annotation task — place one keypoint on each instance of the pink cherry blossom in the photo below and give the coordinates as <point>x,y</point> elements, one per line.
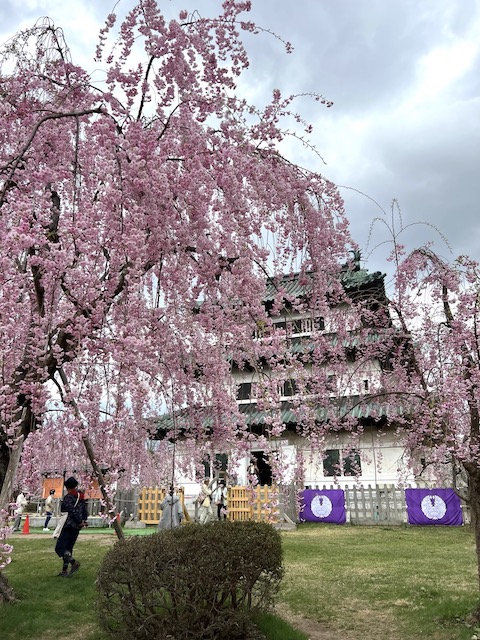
<point>139,220</point>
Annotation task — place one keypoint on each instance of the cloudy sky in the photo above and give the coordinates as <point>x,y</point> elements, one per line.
<point>404,76</point>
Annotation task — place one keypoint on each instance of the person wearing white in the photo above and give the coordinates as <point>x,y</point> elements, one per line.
<point>220,499</point>
<point>20,504</point>
<point>205,504</point>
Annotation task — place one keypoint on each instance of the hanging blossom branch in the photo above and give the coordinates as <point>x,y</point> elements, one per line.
<point>117,276</point>
<point>91,455</point>
<point>13,165</point>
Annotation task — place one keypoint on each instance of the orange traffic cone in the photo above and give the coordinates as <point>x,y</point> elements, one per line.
<point>26,525</point>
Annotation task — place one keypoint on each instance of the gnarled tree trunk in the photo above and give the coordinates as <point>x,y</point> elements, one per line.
<point>6,482</point>
<point>7,595</point>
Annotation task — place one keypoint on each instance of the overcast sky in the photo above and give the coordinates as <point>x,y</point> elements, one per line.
<point>404,76</point>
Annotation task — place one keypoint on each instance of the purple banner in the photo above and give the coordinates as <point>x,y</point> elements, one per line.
<point>433,506</point>
<point>326,505</point>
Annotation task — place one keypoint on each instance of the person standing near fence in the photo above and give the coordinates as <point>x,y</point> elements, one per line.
<point>172,511</point>
<point>204,501</point>
<point>73,504</point>
<point>49,507</point>
<point>220,499</point>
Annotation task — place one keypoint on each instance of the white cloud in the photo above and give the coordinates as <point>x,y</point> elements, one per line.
<point>441,68</point>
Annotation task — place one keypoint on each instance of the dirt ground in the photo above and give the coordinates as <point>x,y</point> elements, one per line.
<point>108,538</point>
<point>313,629</point>
<point>101,539</point>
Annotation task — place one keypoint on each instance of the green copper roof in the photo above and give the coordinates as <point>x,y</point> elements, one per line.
<point>352,407</point>
<point>346,407</point>
<point>294,288</point>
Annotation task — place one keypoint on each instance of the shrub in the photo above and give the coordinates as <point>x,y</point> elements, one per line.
<point>198,581</point>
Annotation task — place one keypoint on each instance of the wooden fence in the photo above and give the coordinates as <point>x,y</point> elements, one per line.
<point>257,503</point>
<point>371,505</point>
<point>365,505</point>
<point>261,503</point>
<point>381,504</point>
<point>149,501</point>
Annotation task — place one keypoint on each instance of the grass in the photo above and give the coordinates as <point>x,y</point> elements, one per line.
<point>50,606</point>
<point>277,629</point>
<point>380,583</point>
<point>385,583</point>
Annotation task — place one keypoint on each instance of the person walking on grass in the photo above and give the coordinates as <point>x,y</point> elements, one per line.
<point>49,506</point>
<point>74,505</point>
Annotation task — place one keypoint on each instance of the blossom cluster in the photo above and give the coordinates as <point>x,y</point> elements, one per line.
<point>139,219</point>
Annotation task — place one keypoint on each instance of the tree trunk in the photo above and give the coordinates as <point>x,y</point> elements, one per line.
<point>6,592</point>
<point>474,487</point>
<point>4,459</point>
<point>27,423</point>
<point>101,483</point>
<point>7,484</point>
<point>11,460</point>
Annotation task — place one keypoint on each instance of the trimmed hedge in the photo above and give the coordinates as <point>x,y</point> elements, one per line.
<point>198,581</point>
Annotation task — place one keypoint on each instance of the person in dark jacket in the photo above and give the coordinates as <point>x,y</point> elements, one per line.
<point>74,504</point>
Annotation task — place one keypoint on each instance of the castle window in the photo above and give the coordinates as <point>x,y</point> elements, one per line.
<point>290,388</point>
<point>296,326</point>
<point>332,383</point>
<point>244,391</point>
<point>331,463</point>
<point>350,466</point>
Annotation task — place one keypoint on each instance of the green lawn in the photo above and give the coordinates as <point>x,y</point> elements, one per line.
<point>385,583</point>
<point>377,583</point>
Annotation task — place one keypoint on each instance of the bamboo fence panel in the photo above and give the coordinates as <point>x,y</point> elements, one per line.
<point>258,503</point>
<point>149,501</point>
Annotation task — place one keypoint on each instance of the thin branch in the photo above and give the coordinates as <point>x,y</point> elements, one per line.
<point>91,455</point>
<point>142,101</point>
<point>20,156</point>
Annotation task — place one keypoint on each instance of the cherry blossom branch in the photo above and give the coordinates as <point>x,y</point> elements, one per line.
<point>15,163</point>
<point>91,455</point>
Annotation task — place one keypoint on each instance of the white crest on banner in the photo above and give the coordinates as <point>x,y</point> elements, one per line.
<point>433,507</point>
<point>321,506</point>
